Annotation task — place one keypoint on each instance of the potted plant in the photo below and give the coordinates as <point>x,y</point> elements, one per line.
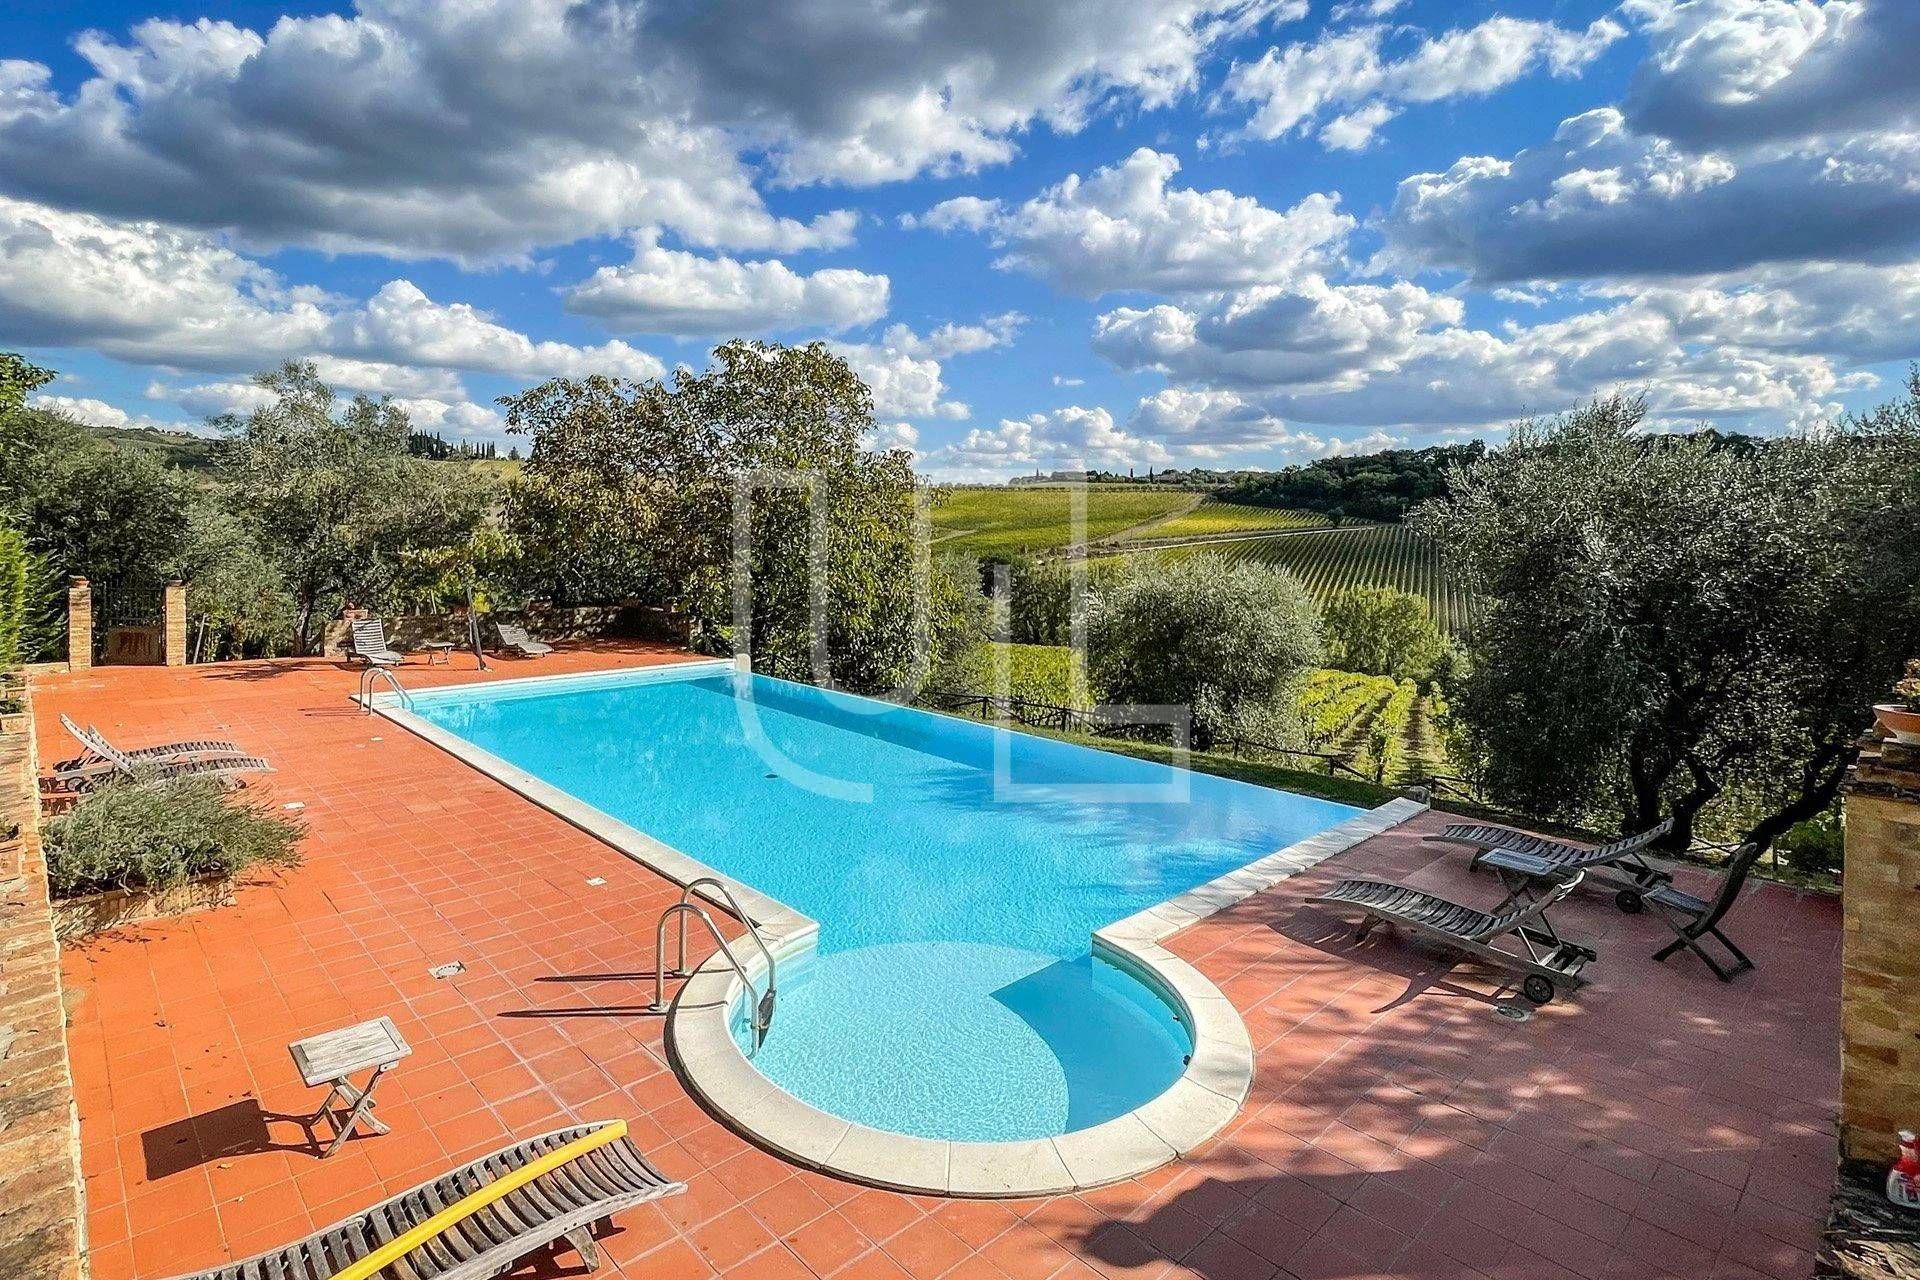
<point>1902,718</point>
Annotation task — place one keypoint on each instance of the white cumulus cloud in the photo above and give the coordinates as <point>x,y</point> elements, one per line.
<point>673,292</point>
<point>1125,227</point>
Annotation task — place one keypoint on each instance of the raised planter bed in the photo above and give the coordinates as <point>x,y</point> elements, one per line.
<point>84,915</point>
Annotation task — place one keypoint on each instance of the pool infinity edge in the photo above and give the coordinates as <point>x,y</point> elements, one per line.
<point>702,1049</point>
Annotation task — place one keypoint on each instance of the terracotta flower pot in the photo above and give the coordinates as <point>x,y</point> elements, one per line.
<point>1903,724</point>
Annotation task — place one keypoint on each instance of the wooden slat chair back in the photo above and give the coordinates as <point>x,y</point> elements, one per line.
<point>480,1219</point>
<point>1695,919</point>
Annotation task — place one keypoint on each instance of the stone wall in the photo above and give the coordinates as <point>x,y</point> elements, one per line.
<point>41,1216</point>
<point>1880,983</point>
<point>555,626</point>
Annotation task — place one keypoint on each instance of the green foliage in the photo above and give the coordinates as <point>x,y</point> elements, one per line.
<point>1229,641</point>
<point>89,508</point>
<point>1382,631</point>
<point>1330,701</point>
<point>1261,773</point>
<point>1011,521</point>
<point>151,834</point>
<point>18,379</point>
<point>1376,486</point>
<point>1053,674</point>
<point>341,509</point>
<point>1387,732</point>
<point>960,620</point>
<point>15,572</point>
<point>632,488</point>
<point>231,584</point>
<point>1659,623</point>
<point>1816,847</point>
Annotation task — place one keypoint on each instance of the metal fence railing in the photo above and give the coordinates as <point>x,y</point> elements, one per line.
<point>1048,715</point>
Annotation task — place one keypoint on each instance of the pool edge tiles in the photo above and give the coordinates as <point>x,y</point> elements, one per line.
<point>1199,1103</point>
<point>704,1052</point>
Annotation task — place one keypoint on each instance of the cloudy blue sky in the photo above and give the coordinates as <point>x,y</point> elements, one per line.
<point>1111,232</point>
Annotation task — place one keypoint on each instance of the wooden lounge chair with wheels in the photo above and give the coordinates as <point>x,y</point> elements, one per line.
<point>1693,920</point>
<point>161,753</point>
<point>478,1220</point>
<point>113,763</point>
<point>516,639</point>
<point>1618,865</point>
<point>1547,962</point>
<point>368,643</point>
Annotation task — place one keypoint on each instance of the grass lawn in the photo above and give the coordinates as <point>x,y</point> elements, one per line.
<point>1004,521</point>
<point>1230,517</point>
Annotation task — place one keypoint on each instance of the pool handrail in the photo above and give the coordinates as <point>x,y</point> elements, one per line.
<point>367,678</point>
<point>762,1015</point>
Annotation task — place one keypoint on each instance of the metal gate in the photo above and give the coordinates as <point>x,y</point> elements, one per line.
<point>127,624</point>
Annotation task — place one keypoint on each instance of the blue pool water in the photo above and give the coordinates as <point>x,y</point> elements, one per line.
<point>952,993</point>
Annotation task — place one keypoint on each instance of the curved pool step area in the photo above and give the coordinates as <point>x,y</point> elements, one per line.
<point>974,998</point>
<point>701,1036</point>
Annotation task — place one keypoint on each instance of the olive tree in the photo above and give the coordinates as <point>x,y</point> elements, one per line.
<point>1229,641</point>
<point>1664,621</point>
<point>751,473</point>
<point>333,498</point>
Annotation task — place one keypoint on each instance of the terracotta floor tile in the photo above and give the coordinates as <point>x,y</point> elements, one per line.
<point>1397,1126</point>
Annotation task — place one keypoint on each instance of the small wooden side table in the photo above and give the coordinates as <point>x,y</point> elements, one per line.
<point>335,1057</point>
<point>439,652</point>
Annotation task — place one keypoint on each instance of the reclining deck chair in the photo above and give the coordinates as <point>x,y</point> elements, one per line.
<point>110,762</point>
<point>1618,864</point>
<point>516,638</point>
<point>1547,962</point>
<point>369,644</point>
<point>480,1219</point>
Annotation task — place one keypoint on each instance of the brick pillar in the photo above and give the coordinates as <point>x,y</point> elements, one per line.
<point>79,625</point>
<point>1880,973</point>
<point>174,616</point>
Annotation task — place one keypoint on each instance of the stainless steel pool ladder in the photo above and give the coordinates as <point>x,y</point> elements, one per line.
<point>367,678</point>
<point>760,1016</point>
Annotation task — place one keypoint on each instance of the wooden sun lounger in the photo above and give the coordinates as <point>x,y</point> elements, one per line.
<point>368,643</point>
<point>115,763</point>
<point>191,748</point>
<point>1547,963</point>
<point>478,1220</point>
<point>516,638</point>
<point>1617,865</point>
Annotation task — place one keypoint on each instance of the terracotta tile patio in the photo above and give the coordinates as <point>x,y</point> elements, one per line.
<point>1657,1124</point>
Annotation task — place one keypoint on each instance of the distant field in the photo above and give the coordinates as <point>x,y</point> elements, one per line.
<point>1331,560</point>
<point>1231,517</point>
<point>1004,521</point>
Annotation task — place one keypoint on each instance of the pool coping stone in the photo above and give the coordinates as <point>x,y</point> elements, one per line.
<point>703,1048</point>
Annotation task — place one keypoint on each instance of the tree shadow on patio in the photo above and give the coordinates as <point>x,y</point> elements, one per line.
<point>237,1129</point>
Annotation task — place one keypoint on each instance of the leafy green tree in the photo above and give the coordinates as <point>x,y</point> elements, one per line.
<point>1664,621</point>
<point>86,507</point>
<point>1230,641</point>
<point>630,491</point>
<point>18,379</point>
<point>341,509</point>
<point>1382,632</point>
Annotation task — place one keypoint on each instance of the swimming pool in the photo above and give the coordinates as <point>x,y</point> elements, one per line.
<point>957,873</point>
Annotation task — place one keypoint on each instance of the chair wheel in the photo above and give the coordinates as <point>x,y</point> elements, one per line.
<point>1629,901</point>
<point>1537,989</point>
